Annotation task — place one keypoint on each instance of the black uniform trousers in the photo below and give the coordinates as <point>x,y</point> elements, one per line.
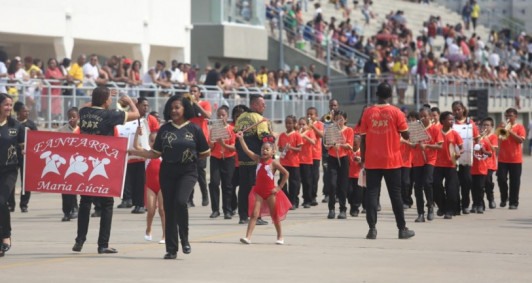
<point>24,198</point>
<point>221,171</point>
<point>326,176</point>
<point>291,188</point>
<point>355,194</point>
<point>69,202</point>
<point>305,171</point>
<point>236,182</point>
<point>423,185</point>
<point>247,181</point>
<point>177,183</point>
<point>489,185</point>
<point>514,170</point>
<point>338,181</point>
<point>8,179</point>
<point>135,182</point>
<point>446,197</point>
<point>106,219</point>
<point>315,177</point>
<point>406,188</point>
<point>392,177</point>
<point>464,178</point>
<point>202,180</point>
<point>477,189</point>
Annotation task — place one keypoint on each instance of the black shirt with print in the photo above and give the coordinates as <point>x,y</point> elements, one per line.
<point>11,137</point>
<point>99,121</point>
<point>180,144</point>
<point>31,126</point>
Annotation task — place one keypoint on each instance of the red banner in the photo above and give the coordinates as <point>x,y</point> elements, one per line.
<point>75,164</point>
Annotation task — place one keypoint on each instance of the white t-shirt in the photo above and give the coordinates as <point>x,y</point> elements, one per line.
<point>177,76</point>
<point>3,71</point>
<point>90,72</point>
<point>494,59</point>
<point>146,79</point>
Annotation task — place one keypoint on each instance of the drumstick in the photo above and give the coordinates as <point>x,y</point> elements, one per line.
<point>254,125</point>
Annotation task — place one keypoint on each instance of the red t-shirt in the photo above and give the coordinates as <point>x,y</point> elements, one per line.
<point>480,167</point>
<point>436,137</point>
<point>356,129</point>
<point>218,151</point>
<point>444,155</point>
<point>406,155</point>
<point>153,124</point>
<point>202,121</point>
<point>347,133</point>
<point>317,147</point>
<point>305,155</point>
<point>493,140</point>
<point>381,125</point>
<point>354,166</point>
<point>291,159</point>
<point>510,151</point>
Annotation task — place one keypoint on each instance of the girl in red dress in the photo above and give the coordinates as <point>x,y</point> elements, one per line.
<point>265,198</point>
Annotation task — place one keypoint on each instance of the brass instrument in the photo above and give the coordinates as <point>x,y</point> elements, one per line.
<point>504,133</point>
<point>328,117</point>
<point>190,97</point>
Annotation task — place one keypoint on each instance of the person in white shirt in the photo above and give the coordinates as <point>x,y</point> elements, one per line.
<point>494,60</point>
<point>91,72</point>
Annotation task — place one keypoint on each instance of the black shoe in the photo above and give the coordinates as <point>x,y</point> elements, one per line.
<point>465,210</point>
<point>355,213</point>
<point>306,205</point>
<point>502,204</point>
<point>11,209</point>
<point>135,209</point>
<point>474,209</point>
<point>492,204</point>
<point>512,206</point>
<point>24,209</point>
<point>65,218</point>
<point>448,216</point>
<point>96,213</point>
<point>406,234</point>
<point>314,202</point>
<point>363,210</point>
<point>243,221</point>
<point>205,202</point>
<point>372,234</point>
<point>406,206</point>
<point>325,199</point>
<point>439,212</point>
<point>107,251</point>
<point>228,215</point>
<point>342,215</point>
<point>420,218</point>
<point>138,210</point>
<point>480,210</point>
<point>123,204</point>
<point>215,214</point>
<point>4,247</point>
<point>379,207</point>
<point>430,214</point>
<point>262,222</point>
<point>142,210</point>
<point>190,204</point>
<point>77,247</point>
<point>186,247</point>
<point>170,256</point>
<point>74,214</point>
<point>331,214</point>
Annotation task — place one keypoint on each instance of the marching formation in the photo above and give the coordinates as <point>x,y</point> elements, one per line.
<point>446,159</point>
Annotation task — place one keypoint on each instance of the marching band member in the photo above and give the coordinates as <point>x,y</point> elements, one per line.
<point>355,193</point>
<point>493,141</point>
<point>435,116</point>
<point>318,128</point>
<point>511,159</point>
<point>445,168</point>
<point>406,155</point>
<point>479,171</point>
<point>235,113</point>
<point>327,120</point>
<point>423,161</point>
<point>289,145</point>
<point>306,161</point>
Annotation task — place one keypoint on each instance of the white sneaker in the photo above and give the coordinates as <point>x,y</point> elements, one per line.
<point>162,241</point>
<point>279,242</point>
<point>245,241</point>
<point>147,237</point>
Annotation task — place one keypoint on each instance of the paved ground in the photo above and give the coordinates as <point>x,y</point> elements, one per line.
<point>493,247</point>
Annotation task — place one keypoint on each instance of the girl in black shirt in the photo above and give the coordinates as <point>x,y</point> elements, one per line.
<point>179,143</point>
<point>11,137</point>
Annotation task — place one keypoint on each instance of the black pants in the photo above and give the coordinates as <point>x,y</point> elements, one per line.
<point>326,177</point>
<point>355,194</point>
<point>247,181</point>
<point>202,180</point>
<point>514,170</point>
<point>477,189</point>
<point>305,171</point>
<point>464,178</point>
<point>236,182</point>
<point>392,177</point>
<point>106,205</point>
<point>221,171</point>
<point>8,179</point>
<point>338,181</point>
<point>406,188</point>
<point>24,198</point>
<point>423,180</point>
<point>315,177</point>
<point>489,186</point>
<point>69,202</point>
<point>291,188</point>
<point>446,197</point>
<point>177,183</point>
<point>135,181</point>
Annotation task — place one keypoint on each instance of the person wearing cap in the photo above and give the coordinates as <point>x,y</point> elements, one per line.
<point>381,129</point>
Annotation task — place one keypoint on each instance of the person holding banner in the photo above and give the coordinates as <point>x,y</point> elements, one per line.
<point>98,119</point>
<point>381,129</point>
<point>11,136</point>
<point>180,144</point>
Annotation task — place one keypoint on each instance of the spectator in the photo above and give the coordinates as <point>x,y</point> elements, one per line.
<point>3,70</point>
<point>213,77</point>
<point>75,74</point>
<point>92,74</point>
<point>29,66</point>
<point>475,13</point>
<point>53,72</point>
<point>156,76</point>
<point>466,14</point>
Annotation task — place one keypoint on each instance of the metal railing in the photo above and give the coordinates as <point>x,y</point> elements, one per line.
<point>49,100</point>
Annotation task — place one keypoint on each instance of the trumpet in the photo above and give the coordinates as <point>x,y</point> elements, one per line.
<point>190,97</point>
<point>328,117</point>
<point>504,133</point>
